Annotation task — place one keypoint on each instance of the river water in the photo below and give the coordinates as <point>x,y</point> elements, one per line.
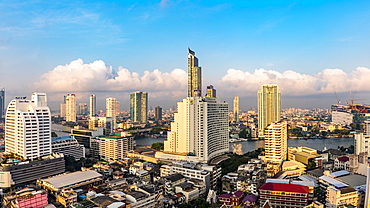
<point>247,146</point>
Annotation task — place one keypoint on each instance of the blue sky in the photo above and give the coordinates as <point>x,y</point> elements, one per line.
<point>305,37</point>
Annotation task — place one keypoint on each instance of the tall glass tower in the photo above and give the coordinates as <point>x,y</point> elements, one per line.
<point>139,106</point>
<point>194,75</point>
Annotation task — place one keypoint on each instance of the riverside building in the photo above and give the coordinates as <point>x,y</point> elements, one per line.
<point>139,107</point>
<point>28,127</point>
<point>269,107</point>
<point>200,128</point>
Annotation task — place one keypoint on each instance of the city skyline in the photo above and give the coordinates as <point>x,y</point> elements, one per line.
<point>305,47</point>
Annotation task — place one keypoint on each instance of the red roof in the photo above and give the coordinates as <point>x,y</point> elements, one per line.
<point>284,187</point>
<point>343,159</point>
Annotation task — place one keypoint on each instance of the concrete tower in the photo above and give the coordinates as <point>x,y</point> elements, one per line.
<point>28,127</point>
<point>70,100</point>
<point>92,107</point>
<point>194,75</point>
<point>269,107</point>
<point>111,104</point>
<point>139,106</point>
<point>236,109</point>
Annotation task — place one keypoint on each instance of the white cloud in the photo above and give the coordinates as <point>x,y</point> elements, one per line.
<point>294,83</point>
<point>97,76</point>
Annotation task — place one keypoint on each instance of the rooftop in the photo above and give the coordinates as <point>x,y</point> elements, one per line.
<point>284,188</point>
<point>339,173</point>
<point>69,179</point>
<point>353,180</point>
<point>333,181</point>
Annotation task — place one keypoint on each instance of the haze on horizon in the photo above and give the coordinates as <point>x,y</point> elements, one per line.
<point>309,48</point>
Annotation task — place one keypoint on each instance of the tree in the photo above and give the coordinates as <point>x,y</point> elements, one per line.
<point>158,146</point>
<point>311,165</point>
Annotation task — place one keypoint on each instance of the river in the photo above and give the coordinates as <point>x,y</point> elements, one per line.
<point>247,146</point>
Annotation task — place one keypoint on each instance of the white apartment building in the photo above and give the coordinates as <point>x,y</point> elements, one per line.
<point>28,127</point>
<point>111,104</point>
<point>200,129</point>
<point>70,100</point>
<point>362,143</point>
<point>276,136</point>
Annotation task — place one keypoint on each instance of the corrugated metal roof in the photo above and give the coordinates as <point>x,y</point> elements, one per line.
<point>333,181</point>
<point>66,180</point>
<point>339,173</point>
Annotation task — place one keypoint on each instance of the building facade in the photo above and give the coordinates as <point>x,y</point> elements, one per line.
<point>92,106</point>
<point>28,127</point>
<point>236,109</point>
<point>269,106</point>
<point>2,103</point>
<point>211,92</point>
<point>70,101</point>
<point>101,122</point>
<point>116,146</point>
<point>194,75</point>
<point>200,129</point>
<point>111,111</point>
<point>139,107</point>
<point>276,136</point>
<point>68,145</point>
<point>158,113</point>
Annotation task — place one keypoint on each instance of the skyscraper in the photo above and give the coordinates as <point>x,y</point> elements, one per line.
<point>28,127</point>
<point>92,107</point>
<point>236,109</point>
<point>70,101</point>
<point>194,75</point>
<point>200,127</point>
<point>276,135</point>
<point>2,103</point>
<point>139,106</point>
<point>211,92</point>
<point>111,104</point>
<point>269,107</point>
<point>158,113</point>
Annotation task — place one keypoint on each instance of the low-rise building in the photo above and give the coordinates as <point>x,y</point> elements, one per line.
<point>84,136</point>
<point>68,145</point>
<point>26,197</point>
<point>284,195</point>
<point>341,163</point>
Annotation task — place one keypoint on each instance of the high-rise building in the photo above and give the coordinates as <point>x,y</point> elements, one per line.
<point>157,113</point>
<point>104,122</point>
<point>211,92</point>
<point>115,147</point>
<point>194,75</point>
<point>111,104</point>
<point>82,109</point>
<point>2,103</point>
<point>70,100</point>
<point>200,127</point>
<point>28,127</point>
<point>63,108</point>
<point>276,139</point>
<point>236,109</point>
<point>269,107</point>
<point>118,108</point>
<point>139,106</point>
<point>92,107</point>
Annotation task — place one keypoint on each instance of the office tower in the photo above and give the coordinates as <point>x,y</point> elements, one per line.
<point>194,75</point>
<point>236,109</point>
<point>269,106</point>
<point>92,107</point>
<point>200,128</point>
<point>2,103</point>
<point>111,105</point>
<point>71,107</point>
<point>28,127</point>
<point>82,109</point>
<point>157,113</point>
<point>63,108</point>
<point>139,106</point>
<point>276,136</point>
<point>211,92</point>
